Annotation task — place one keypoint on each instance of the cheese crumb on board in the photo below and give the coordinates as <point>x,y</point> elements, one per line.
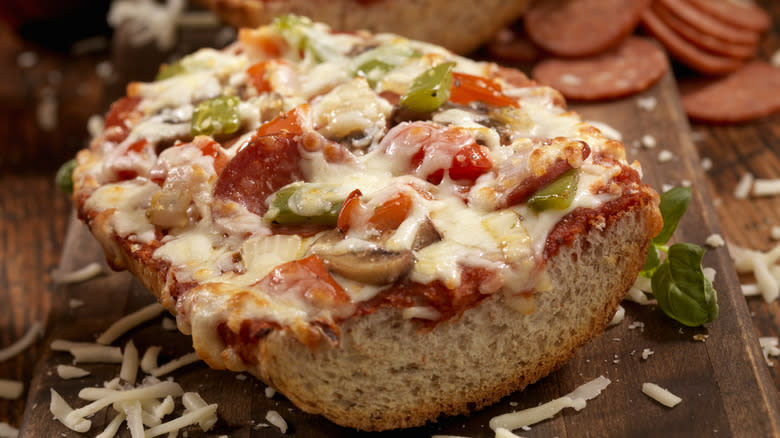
<point>274,418</point>
<point>35,330</point>
<point>129,322</point>
<point>661,395</point>
<point>766,187</point>
<point>576,399</point>
<point>96,354</point>
<point>71,372</point>
<point>620,313</point>
<point>742,190</point>
<point>774,233</point>
<point>665,156</point>
<point>769,347</point>
<point>646,353</point>
<point>715,240</point>
<point>129,369</point>
<point>647,103</point>
<point>648,141</point>
<point>505,433</point>
<point>149,360</point>
<point>8,431</point>
<point>706,164</point>
<point>11,389</point>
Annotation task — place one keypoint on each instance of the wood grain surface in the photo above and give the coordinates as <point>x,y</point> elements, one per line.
<point>728,389</point>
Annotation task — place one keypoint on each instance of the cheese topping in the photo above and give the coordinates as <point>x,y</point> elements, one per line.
<point>316,191</point>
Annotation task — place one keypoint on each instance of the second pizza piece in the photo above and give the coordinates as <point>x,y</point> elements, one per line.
<point>631,68</point>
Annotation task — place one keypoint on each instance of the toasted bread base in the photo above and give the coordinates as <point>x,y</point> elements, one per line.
<point>460,28</point>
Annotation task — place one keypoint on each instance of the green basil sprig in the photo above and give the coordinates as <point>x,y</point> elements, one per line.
<point>678,284</point>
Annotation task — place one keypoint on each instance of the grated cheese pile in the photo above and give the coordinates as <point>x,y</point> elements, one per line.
<point>764,266</point>
<point>143,406</point>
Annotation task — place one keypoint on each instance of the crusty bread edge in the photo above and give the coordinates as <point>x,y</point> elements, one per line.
<point>460,27</point>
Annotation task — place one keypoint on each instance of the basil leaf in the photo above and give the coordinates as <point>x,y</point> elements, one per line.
<point>673,205</point>
<point>680,288</point>
<point>652,262</point>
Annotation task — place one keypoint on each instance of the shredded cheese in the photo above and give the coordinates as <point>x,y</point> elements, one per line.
<point>505,433</point>
<point>175,364</point>
<point>82,274</point>
<point>158,390</point>
<point>576,399</point>
<point>71,372</point>
<point>62,411</point>
<point>149,360</point>
<point>775,232</point>
<point>769,347</point>
<point>96,354</point>
<point>185,420</point>
<point>129,322</point>
<point>35,330</point>
<point>129,369</point>
<point>766,187</point>
<point>274,418</point>
<point>660,395</point>
<point>113,427</point>
<point>618,317</point>
<point>715,240</point>
<point>7,431</point>
<point>11,389</point>
<point>743,186</point>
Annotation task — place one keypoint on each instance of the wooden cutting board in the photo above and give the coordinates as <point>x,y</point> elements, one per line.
<point>724,383</point>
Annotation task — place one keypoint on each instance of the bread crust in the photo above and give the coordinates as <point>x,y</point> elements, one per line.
<point>460,27</point>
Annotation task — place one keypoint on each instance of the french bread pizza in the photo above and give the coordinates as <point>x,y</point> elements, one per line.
<point>382,230</point>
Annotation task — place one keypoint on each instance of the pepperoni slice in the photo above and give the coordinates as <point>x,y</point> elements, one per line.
<point>751,92</point>
<point>263,166</point>
<point>633,67</point>
<point>574,28</point>
<point>513,44</point>
<point>703,41</point>
<point>709,25</point>
<point>685,52</point>
<point>746,15</point>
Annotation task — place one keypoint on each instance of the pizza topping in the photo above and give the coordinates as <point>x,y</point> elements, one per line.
<point>429,90</point>
<point>216,116</point>
<point>375,63</point>
<point>305,203</point>
<point>558,195</point>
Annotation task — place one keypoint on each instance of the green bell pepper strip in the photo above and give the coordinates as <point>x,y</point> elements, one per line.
<point>429,90</point>
<point>558,195</point>
<point>219,115</point>
<point>305,203</point>
<point>374,64</point>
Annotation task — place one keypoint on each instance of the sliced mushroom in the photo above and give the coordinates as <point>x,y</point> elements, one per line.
<point>375,265</point>
<point>427,234</point>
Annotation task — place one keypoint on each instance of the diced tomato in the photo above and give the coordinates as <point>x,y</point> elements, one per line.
<point>292,121</point>
<point>210,148</point>
<point>309,279</point>
<point>470,163</point>
<point>266,43</point>
<point>391,213</point>
<point>116,127</point>
<point>469,88</point>
<point>138,148</point>
<point>257,75</point>
<point>349,209</point>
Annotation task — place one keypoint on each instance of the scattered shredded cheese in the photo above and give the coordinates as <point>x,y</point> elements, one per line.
<point>775,232</point>
<point>129,322</point>
<point>96,354</point>
<point>648,141</point>
<point>274,418</point>
<point>185,420</point>
<point>82,274</point>
<point>129,369</point>
<point>665,156</point>
<point>35,330</point>
<point>742,190</point>
<point>706,164</point>
<point>505,433</point>
<point>168,324</point>
<point>750,290</point>
<point>769,347</point>
<point>62,410</point>
<point>7,431</point>
<point>715,240</point>
<point>175,364</point>
<point>11,389</point>
<point>75,303</point>
<point>766,187</point>
<point>71,372</point>
<point>646,353</point>
<point>113,427</point>
<point>647,103</point>
<point>149,360</point>
<point>270,392</point>
<point>620,313</point>
<point>576,399</point>
<point>660,395</point>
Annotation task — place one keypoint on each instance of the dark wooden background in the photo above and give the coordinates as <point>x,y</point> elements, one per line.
<point>34,216</point>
